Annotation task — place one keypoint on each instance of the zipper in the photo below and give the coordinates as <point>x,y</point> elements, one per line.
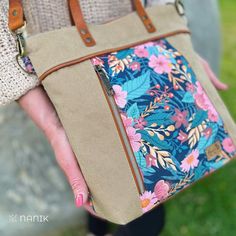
<point>109,93</point>
<point>105,80</point>
<point>99,53</point>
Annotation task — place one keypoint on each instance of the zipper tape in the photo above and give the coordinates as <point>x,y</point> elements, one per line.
<point>109,94</point>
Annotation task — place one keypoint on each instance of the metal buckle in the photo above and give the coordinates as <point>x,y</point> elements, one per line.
<point>18,58</point>
<point>20,39</point>
<point>20,43</point>
<point>180,7</point>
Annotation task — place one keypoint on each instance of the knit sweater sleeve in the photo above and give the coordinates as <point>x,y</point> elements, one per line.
<point>14,82</point>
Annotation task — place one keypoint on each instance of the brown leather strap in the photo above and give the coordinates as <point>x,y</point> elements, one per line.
<point>144,16</point>
<point>16,18</point>
<point>81,25</point>
<point>16,15</point>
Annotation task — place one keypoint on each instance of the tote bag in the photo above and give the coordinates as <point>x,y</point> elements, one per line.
<point>141,115</point>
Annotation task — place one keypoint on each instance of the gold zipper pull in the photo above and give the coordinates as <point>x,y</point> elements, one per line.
<point>105,80</point>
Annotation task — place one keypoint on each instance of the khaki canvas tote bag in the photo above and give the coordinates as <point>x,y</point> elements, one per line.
<point>141,115</point>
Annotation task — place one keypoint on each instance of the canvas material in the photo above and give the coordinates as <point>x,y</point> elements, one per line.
<point>83,111</point>
<point>176,133</point>
<point>109,35</point>
<point>67,87</point>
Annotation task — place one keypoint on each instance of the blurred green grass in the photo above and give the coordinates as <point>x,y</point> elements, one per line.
<point>209,207</point>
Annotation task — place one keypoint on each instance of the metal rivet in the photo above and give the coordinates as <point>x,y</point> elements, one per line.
<point>88,40</point>
<point>83,31</point>
<point>144,17</point>
<point>14,13</point>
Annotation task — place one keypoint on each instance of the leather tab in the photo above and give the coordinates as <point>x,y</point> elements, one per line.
<point>144,16</point>
<point>81,25</point>
<point>16,18</point>
<point>16,15</point>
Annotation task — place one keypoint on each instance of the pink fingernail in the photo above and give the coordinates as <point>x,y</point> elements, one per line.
<point>79,200</point>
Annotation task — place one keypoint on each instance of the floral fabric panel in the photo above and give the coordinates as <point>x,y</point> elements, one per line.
<point>169,119</point>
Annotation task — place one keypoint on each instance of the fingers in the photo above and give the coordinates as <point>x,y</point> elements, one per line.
<point>68,163</point>
<point>39,107</point>
<point>89,208</point>
<point>216,82</point>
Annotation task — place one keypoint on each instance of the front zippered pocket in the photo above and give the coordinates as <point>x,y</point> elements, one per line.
<point>109,93</point>
<point>174,131</point>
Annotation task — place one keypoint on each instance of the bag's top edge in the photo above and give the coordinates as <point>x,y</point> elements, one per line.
<point>57,47</point>
<point>96,54</point>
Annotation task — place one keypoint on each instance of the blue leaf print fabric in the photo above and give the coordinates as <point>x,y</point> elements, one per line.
<point>169,119</point>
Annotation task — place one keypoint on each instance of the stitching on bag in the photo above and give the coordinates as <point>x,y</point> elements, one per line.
<point>81,59</point>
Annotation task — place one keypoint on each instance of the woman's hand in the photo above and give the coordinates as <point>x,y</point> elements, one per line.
<point>39,107</point>
<point>218,84</point>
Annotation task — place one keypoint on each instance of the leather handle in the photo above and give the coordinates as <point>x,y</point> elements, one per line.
<point>16,18</point>
<point>144,16</point>
<point>79,22</point>
<point>81,25</point>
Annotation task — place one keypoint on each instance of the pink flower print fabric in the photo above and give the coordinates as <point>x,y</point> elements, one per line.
<point>168,117</point>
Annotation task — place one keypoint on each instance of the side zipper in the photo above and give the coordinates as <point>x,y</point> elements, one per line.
<point>110,98</point>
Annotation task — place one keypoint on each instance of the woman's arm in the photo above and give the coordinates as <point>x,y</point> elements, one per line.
<point>39,107</point>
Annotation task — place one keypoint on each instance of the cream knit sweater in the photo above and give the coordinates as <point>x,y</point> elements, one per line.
<point>41,16</point>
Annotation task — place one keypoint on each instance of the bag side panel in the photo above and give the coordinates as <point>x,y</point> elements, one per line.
<point>83,110</point>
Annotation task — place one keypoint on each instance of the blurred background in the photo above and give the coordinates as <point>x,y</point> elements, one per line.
<point>32,184</point>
